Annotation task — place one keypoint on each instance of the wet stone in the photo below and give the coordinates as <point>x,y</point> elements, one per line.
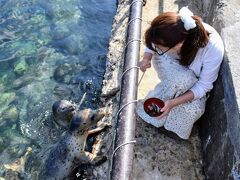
<point>22,81</point>
<point>13,152</point>
<point>60,32</point>
<point>83,60</point>
<point>6,98</point>
<point>86,80</point>
<point>7,77</point>
<point>42,53</point>
<point>72,44</point>
<point>62,91</point>
<point>9,174</point>
<point>11,113</point>
<point>62,72</point>
<point>20,67</point>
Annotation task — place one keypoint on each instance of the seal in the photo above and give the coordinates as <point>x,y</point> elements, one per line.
<point>63,112</point>
<point>70,152</point>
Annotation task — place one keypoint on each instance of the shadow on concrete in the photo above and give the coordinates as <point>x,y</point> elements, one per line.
<point>160,6</point>
<point>181,3</point>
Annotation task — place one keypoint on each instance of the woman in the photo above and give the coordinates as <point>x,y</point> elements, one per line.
<point>187,55</point>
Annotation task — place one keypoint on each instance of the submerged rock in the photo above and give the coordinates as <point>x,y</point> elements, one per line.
<point>20,67</point>
<point>7,77</point>
<point>15,169</point>
<point>22,81</point>
<point>7,54</point>
<point>86,80</point>
<point>62,73</point>
<point>24,48</point>
<point>62,91</point>
<point>6,98</point>
<point>42,53</point>
<point>60,32</point>
<point>11,113</point>
<point>18,165</point>
<point>9,174</point>
<point>13,152</point>
<point>72,44</point>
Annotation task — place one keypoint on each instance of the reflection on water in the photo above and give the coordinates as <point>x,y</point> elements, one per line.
<point>49,50</point>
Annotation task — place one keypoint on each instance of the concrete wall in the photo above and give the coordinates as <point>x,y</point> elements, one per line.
<point>220,125</point>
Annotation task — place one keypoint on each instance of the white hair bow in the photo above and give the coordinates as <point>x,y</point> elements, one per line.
<point>186,17</point>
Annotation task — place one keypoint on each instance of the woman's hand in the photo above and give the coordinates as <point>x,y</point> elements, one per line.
<point>168,105</point>
<point>144,64</point>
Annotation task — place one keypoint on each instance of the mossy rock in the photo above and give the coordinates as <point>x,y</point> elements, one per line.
<point>6,98</point>
<point>7,77</point>
<point>11,113</point>
<point>21,67</point>
<point>24,48</point>
<point>63,72</point>
<point>28,48</point>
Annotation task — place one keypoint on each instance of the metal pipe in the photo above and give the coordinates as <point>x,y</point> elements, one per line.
<point>123,157</point>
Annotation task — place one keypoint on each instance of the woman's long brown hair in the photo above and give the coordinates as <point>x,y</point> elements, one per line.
<point>168,30</point>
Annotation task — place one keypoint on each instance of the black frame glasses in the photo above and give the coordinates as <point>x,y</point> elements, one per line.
<point>162,52</point>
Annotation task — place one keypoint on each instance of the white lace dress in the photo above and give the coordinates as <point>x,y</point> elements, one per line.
<point>175,80</point>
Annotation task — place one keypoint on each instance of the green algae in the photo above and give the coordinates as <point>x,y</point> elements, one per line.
<point>21,67</point>
<point>11,113</point>
<point>6,98</point>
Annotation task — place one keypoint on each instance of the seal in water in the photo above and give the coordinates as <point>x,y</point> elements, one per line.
<point>70,152</point>
<point>63,112</point>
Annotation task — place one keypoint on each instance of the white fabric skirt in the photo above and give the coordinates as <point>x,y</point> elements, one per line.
<point>175,81</point>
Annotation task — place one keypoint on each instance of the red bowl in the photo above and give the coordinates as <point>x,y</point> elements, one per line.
<point>153,106</point>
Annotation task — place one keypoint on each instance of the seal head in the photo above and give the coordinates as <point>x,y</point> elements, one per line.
<point>63,112</point>
<point>86,118</point>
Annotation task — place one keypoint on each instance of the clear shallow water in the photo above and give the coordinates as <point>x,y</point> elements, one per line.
<point>49,50</point>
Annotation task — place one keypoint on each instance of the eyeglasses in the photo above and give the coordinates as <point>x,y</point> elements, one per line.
<point>161,52</point>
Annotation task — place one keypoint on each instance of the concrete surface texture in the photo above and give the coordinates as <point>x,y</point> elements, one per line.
<point>110,92</point>
<point>158,156</point>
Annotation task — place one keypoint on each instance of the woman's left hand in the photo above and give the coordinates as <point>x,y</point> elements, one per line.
<point>168,105</point>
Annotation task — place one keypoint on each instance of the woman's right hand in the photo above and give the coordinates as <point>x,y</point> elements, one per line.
<point>144,64</point>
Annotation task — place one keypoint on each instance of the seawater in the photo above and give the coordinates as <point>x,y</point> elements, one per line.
<point>49,50</point>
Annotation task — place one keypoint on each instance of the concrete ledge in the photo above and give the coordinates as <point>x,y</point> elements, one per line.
<point>110,95</point>
<point>220,125</point>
